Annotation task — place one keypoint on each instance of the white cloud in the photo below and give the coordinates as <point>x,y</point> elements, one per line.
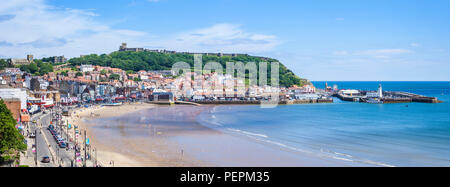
<point>340,53</point>
<point>384,52</point>
<point>220,38</point>
<point>34,27</point>
<point>415,44</point>
<point>374,53</point>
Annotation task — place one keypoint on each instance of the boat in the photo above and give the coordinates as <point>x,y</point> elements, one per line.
<point>374,101</point>
<point>113,104</point>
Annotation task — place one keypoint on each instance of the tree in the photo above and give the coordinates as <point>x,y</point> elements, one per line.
<point>130,72</point>
<point>103,72</point>
<point>146,60</point>
<point>114,77</point>
<point>78,74</point>
<point>3,64</point>
<point>11,141</point>
<point>65,73</point>
<point>45,68</point>
<point>30,68</point>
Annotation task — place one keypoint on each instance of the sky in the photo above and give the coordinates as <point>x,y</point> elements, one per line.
<point>321,40</point>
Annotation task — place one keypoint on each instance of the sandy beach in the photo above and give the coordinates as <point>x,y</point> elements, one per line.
<point>149,151</point>
<point>145,135</point>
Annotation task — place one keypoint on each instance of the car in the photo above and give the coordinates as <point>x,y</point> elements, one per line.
<point>62,145</point>
<point>51,127</point>
<point>45,159</point>
<point>32,135</point>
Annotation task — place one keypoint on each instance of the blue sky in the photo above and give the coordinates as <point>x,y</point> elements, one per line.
<point>379,40</point>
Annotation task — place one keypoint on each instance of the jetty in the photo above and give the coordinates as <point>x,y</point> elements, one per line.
<point>240,102</point>
<point>385,97</point>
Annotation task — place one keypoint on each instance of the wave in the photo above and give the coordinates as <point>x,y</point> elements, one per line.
<point>248,133</point>
<point>323,153</point>
<point>351,158</point>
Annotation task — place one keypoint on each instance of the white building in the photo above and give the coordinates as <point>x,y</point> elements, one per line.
<point>15,93</point>
<point>349,92</point>
<point>86,68</point>
<point>378,94</point>
<point>306,96</point>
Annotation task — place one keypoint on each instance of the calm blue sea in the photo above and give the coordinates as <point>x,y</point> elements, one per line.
<point>413,134</point>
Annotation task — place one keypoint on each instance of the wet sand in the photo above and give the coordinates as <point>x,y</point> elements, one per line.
<point>170,136</point>
<point>126,136</point>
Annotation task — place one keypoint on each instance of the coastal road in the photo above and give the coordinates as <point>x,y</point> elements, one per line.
<point>62,156</point>
<point>41,145</point>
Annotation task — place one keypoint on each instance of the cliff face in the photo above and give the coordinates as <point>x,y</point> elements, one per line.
<point>147,60</point>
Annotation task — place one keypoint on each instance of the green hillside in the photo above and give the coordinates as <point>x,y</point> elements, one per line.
<point>137,61</point>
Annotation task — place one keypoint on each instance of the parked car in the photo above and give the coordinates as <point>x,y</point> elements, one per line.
<point>45,159</point>
<point>32,135</point>
<point>62,145</point>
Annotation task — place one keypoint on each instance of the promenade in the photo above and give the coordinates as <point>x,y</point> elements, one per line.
<point>46,145</point>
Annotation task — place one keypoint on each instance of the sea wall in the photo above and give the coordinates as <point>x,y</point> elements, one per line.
<point>284,102</point>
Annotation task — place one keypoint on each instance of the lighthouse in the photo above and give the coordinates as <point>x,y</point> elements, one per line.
<point>380,91</point>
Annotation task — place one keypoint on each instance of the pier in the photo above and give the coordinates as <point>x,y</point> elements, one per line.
<point>282,102</point>
<point>240,102</point>
<point>390,97</point>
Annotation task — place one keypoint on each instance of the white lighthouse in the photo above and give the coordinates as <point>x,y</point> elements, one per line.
<point>380,91</point>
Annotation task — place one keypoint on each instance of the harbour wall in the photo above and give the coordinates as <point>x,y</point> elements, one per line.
<point>397,97</point>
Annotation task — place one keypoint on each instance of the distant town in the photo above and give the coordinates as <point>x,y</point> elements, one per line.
<point>30,87</point>
<point>26,94</point>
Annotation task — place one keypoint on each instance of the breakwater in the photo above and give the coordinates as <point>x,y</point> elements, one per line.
<point>219,102</point>
<point>391,97</point>
<point>283,102</point>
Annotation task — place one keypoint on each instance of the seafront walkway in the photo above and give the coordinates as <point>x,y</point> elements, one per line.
<point>45,145</point>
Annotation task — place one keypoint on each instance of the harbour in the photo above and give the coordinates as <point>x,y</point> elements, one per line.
<point>382,97</point>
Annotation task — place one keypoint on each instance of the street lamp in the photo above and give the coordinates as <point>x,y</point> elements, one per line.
<point>35,147</point>
<point>95,152</point>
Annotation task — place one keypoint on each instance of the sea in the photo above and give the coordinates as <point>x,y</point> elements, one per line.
<point>405,134</point>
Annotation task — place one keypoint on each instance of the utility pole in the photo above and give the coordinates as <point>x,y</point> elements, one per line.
<point>84,148</point>
<point>67,129</point>
<point>35,145</point>
<point>95,149</point>
<point>57,154</point>
<point>74,138</point>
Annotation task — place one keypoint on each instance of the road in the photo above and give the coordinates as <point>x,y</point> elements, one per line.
<point>41,146</point>
<point>46,145</point>
<point>63,157</point>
